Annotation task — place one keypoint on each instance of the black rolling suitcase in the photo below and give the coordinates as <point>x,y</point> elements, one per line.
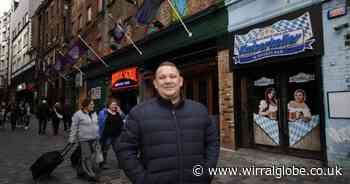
<point>48,162</point>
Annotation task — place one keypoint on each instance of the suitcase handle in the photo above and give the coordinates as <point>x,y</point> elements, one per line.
<point>66,149</point>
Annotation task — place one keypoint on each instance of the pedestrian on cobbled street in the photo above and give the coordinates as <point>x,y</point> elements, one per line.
<point>166,137</point>
<point>12,109</point>
<point>43,114</point>
<point>2,113</point>
<point>27,115</point>
<point>67,116</point>
<point>56,117</point>
<point>84,131</point>
<point>110,127</point>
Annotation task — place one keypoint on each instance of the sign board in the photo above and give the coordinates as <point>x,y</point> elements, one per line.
<point>125,78</point>
<point>95,93</point>
<point>338,104</point>
<point>285,37</point>
<point>337,12</point>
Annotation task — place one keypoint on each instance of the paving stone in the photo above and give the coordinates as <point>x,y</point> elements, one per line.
<point>21,148</point>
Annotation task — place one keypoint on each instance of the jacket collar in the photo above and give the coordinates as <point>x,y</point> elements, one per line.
<point>169,104</point>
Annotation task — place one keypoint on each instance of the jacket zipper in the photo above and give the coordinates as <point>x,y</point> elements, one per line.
<point>179,147</point>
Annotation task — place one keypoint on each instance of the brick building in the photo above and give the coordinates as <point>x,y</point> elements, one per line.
<point>51,36</point>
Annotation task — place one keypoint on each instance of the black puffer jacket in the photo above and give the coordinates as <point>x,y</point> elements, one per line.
<point>171,140</point>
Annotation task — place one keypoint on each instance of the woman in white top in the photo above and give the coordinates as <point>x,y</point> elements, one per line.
<point>268,107</point>
<point>297,108</point>
<point>84,130</point>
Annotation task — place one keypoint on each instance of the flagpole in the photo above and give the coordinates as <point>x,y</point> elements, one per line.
<point>127,36</point>
<point>82,73</point>
<point>179,17</point>
<point>60,53</point>
<point>93,51</point>
<point>62,76</point>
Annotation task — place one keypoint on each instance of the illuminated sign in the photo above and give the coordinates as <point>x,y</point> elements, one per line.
<point>125,78</point>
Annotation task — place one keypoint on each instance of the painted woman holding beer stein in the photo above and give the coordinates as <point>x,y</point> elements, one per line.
<point>268,107</point>
<point>297,108</point>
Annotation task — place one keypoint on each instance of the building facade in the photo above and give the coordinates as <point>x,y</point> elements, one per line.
<point>199,55</point>
<point>282,62</point>
<point>4,51</point>
<point>51,25</point>
<point>21,64</point>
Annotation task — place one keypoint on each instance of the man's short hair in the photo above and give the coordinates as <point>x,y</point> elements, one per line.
<point>167,63</point>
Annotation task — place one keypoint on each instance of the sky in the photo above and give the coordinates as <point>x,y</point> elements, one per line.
<point>5,5</point>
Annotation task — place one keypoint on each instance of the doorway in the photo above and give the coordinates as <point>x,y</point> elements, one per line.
<point>127,99</point>
<point>279,109</point>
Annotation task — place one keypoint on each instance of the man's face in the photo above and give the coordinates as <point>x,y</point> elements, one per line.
<point>168,82</point>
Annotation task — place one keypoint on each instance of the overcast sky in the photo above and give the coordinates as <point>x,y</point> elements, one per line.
<point>5,5</point>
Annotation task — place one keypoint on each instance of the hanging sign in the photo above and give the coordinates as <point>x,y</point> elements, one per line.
<point>125,78</point>
<point>285,37</point>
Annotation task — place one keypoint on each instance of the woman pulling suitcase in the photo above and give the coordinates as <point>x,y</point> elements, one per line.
<point>84,131</point>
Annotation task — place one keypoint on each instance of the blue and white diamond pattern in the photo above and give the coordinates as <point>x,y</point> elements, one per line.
<point>303,22</point>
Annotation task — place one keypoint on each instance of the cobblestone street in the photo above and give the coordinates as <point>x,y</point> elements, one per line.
<point>21,148</point>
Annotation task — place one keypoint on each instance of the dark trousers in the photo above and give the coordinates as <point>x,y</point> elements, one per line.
<point>26,120</point>
<point>67,123</point>
<point>13,122</point>
<point>42,126</point>
<point>106,142</point>
<point>56,125</point>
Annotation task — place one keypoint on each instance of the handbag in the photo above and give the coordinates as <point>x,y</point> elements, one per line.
<point>98,153</point>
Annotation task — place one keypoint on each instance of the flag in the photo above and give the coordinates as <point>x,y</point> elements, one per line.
<point>58,65</point>
<point>148,11</point>
<point>75,52</point>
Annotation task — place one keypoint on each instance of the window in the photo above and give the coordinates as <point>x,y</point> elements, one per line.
<point>89,14</point>
<point>26,18</point>
<point>57,30</point>
<point>15,48</point>
<point>25,39</point>
<point>19,44</point>
<point>80,22</point>
<point>18,62</point>
<point>99,5</point>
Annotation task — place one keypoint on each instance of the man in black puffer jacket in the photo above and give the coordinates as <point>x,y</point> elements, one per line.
<point>167,138</point>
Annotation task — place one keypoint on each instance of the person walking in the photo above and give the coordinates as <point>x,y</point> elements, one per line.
<point>84,131</point>
<point>12,109</point>
<point>167,137</point>
<point>27,115</point>
<point>56,117</point>
<point>110,127</point>
<point>2,113</point>
<point>43,114</point>
<point>67,116</point>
